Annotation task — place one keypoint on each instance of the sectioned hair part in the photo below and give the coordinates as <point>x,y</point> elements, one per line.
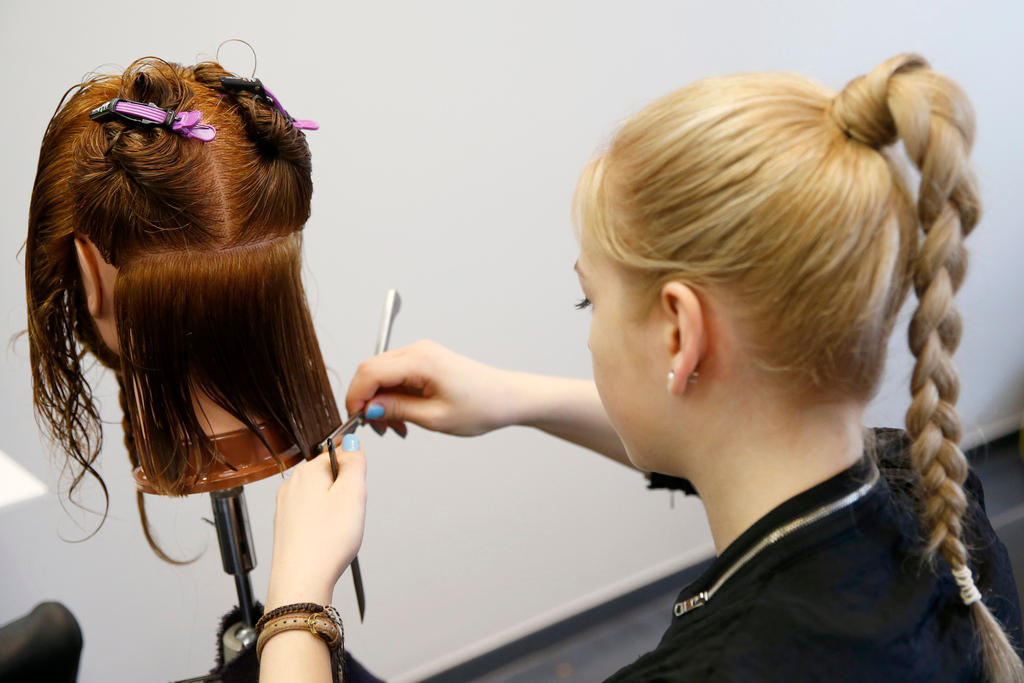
<point>208,296</point>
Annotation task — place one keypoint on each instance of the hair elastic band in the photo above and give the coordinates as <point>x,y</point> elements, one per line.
<point>969,593</point>
<point>256,87</point>
<point>187,123</point>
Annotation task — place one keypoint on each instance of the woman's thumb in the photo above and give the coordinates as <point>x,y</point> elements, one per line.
<point>398,408</point>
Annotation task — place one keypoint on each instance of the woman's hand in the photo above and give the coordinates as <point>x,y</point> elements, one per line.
<point>318,526</point>
<point>440,390</point>
<point>435,388</point>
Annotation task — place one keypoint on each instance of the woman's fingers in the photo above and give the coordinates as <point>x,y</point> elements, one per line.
<point>400,408</point>
<point>351,466</point>
<point>428,385</point>
<point>404,369</point>
<point>318,525</point>
<point>381,427</point>
<point>314,479</point>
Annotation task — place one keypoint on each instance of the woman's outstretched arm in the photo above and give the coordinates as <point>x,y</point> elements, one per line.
<point>437,389</point>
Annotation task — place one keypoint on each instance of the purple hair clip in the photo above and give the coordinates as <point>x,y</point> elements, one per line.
<point>187,123</point>
<point>255,86</point>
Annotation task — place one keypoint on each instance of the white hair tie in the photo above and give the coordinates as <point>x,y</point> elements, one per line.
<point>968,591</point>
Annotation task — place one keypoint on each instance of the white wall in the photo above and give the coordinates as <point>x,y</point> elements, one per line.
<point>452,134</point>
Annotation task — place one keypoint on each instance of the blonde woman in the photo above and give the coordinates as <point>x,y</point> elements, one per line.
<point>746,243</point>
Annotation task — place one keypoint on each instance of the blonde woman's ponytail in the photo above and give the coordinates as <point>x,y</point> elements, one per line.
<point>787,197</point>
<point>904,99</point>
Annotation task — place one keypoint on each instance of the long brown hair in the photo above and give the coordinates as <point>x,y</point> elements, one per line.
<point>206,237</point>
<point>789,197</point>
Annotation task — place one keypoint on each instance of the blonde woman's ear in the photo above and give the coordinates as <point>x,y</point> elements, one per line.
<point>684,312</point>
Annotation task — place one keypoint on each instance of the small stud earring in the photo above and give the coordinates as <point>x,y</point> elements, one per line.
<point>692,379</point>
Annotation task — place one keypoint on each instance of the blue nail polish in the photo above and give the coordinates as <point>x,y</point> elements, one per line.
<point>374,412</point>
<point>350,443</point>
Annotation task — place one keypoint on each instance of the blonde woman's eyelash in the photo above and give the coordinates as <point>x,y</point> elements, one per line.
<point>583,303</point>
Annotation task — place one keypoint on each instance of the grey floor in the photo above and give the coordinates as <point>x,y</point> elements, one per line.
<point>598,650</point>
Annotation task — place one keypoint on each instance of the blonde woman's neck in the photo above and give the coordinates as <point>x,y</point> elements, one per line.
<point>760,454</point>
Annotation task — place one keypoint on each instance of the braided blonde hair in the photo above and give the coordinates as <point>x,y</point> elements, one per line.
<point>791,199</point>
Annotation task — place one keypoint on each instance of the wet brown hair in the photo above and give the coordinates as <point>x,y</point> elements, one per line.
<point>208,297</point>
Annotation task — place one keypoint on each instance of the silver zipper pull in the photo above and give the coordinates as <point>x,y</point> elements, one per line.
<point>690,604</point>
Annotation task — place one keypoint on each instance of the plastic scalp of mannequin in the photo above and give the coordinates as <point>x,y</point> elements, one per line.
<point>202,243</point>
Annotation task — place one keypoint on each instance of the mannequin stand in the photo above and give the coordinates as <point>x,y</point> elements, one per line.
<point>234,535</point>
<point>231,518</point>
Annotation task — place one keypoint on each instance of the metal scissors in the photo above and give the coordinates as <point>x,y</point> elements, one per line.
<point>392,304</point>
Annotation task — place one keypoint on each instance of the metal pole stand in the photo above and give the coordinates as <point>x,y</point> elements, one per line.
<point>234,535</point>
<point>231,518</point>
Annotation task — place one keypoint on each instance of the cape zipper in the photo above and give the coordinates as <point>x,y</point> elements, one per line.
<point>702,598</point>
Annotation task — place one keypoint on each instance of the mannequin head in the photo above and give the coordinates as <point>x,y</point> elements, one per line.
<point>176,263</point>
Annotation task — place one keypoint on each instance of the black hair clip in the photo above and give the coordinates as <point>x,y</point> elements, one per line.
<point>255,86</point>
<point>186,123</point>
<point>133,112</point>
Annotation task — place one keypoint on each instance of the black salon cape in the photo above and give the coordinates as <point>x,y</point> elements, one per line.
<point>845,599</point>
